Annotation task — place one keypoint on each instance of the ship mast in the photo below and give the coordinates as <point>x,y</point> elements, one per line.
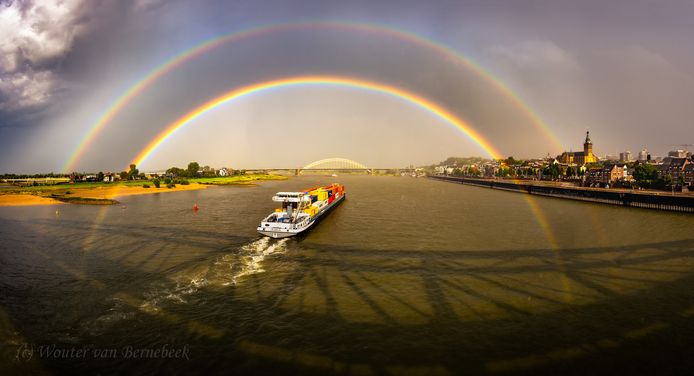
<point>299,206</point>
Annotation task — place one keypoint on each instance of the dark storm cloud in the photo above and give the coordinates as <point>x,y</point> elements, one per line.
<point>43,46</point>
<point>36,36</point>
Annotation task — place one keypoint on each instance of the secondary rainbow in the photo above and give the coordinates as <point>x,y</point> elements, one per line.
<point>172,63</point>
<point>349,82</point>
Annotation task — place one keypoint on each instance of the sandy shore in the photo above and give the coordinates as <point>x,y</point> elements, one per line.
<point>26,200</point>
<point>122,191</point>
<point>105,192</point>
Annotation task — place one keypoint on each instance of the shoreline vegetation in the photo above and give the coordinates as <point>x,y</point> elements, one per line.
<point>102,193</point>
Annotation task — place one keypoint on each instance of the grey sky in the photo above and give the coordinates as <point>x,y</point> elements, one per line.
<point>623,69</point>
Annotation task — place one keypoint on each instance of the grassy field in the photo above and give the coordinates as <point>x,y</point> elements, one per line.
<point>61,187</point>
<point>237,180</point>
<point>103,193</point>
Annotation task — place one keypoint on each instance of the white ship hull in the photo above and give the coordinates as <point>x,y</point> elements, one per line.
<point>284,230</point>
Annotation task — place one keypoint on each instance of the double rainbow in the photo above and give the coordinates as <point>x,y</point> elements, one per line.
<point>169,65</point>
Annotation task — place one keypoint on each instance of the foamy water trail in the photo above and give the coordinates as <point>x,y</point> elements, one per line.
<point>228,269</point>
<point>253,254</point>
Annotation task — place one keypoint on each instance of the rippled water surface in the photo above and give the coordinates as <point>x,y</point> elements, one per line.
<point>407,276</point>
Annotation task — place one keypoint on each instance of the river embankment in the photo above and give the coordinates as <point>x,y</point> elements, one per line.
<point>622,197</point>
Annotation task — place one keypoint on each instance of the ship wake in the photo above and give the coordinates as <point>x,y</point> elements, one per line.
<point>227,270</point>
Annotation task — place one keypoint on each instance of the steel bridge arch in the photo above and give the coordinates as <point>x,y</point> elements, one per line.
<point>335,164</point>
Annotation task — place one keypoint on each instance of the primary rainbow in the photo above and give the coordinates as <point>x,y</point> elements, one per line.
<point>169,65</point>
<point>349,82</point>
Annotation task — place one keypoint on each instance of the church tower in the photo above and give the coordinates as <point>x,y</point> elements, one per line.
<point>588,156</point>
<point>588,145</point>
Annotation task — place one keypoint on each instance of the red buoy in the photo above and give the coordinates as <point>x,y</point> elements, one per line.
<point>196,207</point>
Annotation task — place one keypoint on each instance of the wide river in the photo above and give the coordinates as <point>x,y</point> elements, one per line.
<point>407,276</point>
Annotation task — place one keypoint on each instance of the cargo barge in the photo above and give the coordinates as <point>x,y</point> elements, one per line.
<point>300,210</point>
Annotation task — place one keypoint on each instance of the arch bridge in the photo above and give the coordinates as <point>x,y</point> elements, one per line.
<point>335,164</point>
<point>331,164</point>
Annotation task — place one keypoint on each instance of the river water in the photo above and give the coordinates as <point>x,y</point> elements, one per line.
<point>407,276</point>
